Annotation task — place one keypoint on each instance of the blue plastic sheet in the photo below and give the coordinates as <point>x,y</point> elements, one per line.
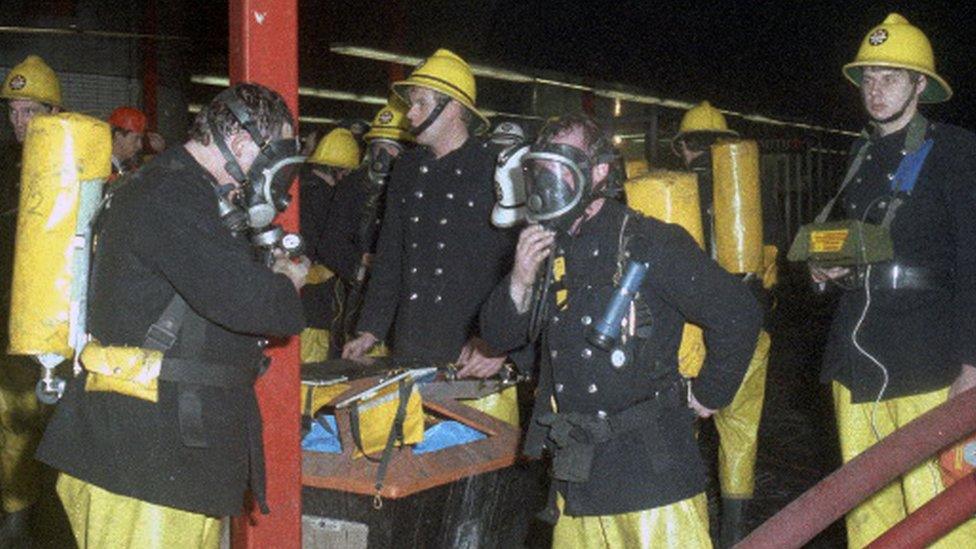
<point>446,434</point>
<point>319,439</point>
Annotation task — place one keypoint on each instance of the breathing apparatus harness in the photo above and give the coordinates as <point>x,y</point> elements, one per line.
<point>264,188</point>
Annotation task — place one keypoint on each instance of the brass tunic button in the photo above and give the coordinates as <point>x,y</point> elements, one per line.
<point>596,252</point>
<point>450,196</point>
<point>471,203</point>
<point>413,270</point>
<point>553,353</point>
<point>437,299</point>
<point>419,194</point>
<point>423,169</point>
<point>438,271</point>
<point>559,387</point>
<point>415,219</point>
<point>443,221</point>
<point>413,245</point>
<point>587,353</point>
<point>586,320</point>
<point>457,171</point>
<point>592,388</point>
<point>413,296</point>
<point>601,414</point>
<point>440,245</point>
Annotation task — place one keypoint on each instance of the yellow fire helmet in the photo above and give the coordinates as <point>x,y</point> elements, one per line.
<point>704,118</point>
<point>391,122</point>
<point>32,79</point>
<point>896,43</point>
<point>337,149</point>
<point>446,73</point>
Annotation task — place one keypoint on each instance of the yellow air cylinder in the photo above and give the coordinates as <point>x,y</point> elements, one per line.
<point>672,197</point>
<point>669,196</point>
<point>66,161</point>
<point>738,206</point>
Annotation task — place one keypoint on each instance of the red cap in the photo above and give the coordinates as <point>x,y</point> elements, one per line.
<point>128,118</point>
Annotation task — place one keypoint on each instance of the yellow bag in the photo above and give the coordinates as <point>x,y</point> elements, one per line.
<point>130,371</point>
<point>385,419</point>
<point>317,396</point>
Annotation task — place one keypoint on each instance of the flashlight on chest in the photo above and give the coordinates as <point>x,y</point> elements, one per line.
<point>605,333</point>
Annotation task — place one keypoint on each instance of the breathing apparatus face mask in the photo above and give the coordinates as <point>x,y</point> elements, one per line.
<point>268,180</point>
<point>558,185</point>
<point>264,188</point>
<point>381,163</point>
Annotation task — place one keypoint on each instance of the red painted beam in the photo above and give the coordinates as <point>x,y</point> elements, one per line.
<point>934,519</point>
<point>842,490</point>
<point>263,48</point>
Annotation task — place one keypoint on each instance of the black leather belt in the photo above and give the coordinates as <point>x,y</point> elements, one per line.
<point>211,374</point>
<point>901,277</point>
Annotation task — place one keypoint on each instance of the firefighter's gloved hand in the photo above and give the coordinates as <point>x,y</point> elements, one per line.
<point>296,270</point>
<point>478,360</point>
<point>700,409</point>
<point>358,347</point>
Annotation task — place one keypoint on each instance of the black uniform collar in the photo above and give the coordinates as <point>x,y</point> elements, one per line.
<point>459,152</point>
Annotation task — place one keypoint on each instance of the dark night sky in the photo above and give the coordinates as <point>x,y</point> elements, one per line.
<point>780,58</point>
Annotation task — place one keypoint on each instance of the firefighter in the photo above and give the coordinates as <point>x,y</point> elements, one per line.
<point>160,434</point>
<point>611,413</point>
<point>30,88</point>
<point>438,256</point>
<point>386,140</point>
<point>902,339</point>
<point>738,423</point>
<point>128,128</point>
<point>328,214</point>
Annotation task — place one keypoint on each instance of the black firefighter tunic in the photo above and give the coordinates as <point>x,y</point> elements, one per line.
<point>682,284</point>
<point>920,336</point>
<point>438,255</point>
<point>162,235</point>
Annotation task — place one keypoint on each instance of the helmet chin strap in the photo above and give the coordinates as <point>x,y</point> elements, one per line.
<point>432,117</point>
<point>898,114</point>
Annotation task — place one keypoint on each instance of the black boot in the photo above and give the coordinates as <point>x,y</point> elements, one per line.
<point>733,521</point>
<point>15,530</point>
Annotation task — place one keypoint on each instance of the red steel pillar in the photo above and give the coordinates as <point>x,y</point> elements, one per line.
<point>263,48</point>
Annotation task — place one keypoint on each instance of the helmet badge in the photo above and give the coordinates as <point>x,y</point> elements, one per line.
<point>18,82</point>
<point>878,37</point>
<point>385,117</point>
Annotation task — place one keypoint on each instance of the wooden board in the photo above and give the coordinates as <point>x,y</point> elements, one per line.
<point>410,473</point>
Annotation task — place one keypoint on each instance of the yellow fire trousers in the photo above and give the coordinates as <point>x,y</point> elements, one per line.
<point>681,525</point>
<point>101,519</point>
<point>22,420</point>
<point>314,345</point>
<point>738,427</point>
<point>860,426</point>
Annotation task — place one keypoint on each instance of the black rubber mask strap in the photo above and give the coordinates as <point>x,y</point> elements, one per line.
<point>232,166</point>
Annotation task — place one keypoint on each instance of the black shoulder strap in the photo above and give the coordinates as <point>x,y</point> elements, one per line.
<point>161,336</point>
